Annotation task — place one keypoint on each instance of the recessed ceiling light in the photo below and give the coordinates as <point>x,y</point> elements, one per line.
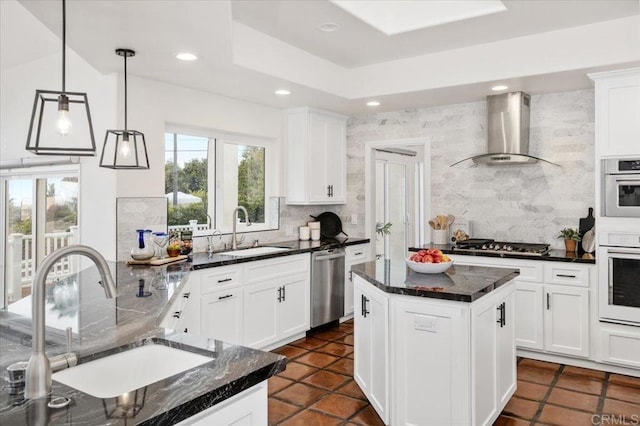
<point>373,103</point>
<point>186,56</point>
<point>282,92</point>
<point>329,27</point>
<point>499,88</point>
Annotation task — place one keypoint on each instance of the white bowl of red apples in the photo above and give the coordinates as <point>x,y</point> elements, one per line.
<point>429,261</point>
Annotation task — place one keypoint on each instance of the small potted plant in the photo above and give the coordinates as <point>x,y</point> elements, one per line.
<point>570,237</point>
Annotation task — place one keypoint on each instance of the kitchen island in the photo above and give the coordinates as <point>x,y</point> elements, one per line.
<point>435,349</point>
<point>103,327</point>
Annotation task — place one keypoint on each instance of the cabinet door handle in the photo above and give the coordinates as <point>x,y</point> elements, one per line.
<point>565,275</point>
<point>226,296</point>
<point>284,293</point>
<point>177,314</point>
<point>331,190</point>
<point>499,308</point>
<point>186,295</point>
<point>279,294</point>
<point>364,306</point>
<point>504,314</point>
<point>328,190</point>
<point>224,280</point>
<point>350,275</point>
<point>548,301</point>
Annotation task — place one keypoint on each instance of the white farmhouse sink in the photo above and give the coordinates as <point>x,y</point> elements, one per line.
<point>255,251</point>
<point>123,372</point>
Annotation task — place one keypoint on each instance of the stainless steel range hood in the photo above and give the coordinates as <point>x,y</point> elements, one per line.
<point>507,131</point>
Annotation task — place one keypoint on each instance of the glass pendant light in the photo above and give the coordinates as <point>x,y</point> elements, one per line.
<point>60,120</point>
<point>124,149</point>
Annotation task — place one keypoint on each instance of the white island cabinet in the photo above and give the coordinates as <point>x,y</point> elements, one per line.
<point>434,349</point>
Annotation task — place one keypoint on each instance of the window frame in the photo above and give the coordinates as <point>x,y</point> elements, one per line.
<point>214,169</point>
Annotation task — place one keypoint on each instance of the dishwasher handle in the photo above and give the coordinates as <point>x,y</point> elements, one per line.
<point>330,256</point>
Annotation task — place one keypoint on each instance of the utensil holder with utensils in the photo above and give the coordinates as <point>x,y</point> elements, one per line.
<point>440,228</point>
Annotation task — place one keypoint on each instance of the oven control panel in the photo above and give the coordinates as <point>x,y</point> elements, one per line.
<point>620,239</point>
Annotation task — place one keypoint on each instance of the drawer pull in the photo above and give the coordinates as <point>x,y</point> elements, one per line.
<point>358,253</point>
<point>565,275</point>
<point>225,296</point>
<point>548,301</point>
<point>177,314</point>
<point>224,280</point>
<point>187,295</point>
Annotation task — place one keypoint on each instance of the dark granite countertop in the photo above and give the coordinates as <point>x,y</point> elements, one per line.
<point>552,256</point>
<point>459,283</point>
<point>205,260</point>
<point>105,326</point>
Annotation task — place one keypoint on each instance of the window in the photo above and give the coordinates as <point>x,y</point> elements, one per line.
<point>41,216</point>
<point>206,178</point>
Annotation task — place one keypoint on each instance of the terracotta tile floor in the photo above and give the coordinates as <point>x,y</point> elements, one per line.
<point>317,388</point>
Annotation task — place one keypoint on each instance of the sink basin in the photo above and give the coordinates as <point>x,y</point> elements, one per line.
<point>123,372</point>
<point>255,251</point>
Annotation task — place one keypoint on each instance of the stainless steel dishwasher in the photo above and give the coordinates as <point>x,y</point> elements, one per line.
<point>327,286</point>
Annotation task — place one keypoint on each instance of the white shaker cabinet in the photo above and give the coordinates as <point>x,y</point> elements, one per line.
<point>371,344</point>
<point>617,112</point>
<point>566,320</point>
<point>493,354</point>
<point>276,300</point>
<point>353,255</point>
<point>315,157</point>
<point>221,315</point>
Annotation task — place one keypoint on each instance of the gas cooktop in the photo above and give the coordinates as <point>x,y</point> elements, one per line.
<point>476,245</point>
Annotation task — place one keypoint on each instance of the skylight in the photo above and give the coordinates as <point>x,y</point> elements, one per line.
<point>395,17</point>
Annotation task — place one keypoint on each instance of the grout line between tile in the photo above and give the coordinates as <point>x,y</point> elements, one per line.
<point>543,402</point>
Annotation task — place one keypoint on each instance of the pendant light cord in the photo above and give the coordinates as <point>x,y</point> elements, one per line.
<point>64,43</point>
<point>125,91</point>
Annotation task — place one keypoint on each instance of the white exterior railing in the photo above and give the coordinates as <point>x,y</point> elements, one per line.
<point>20,267</point>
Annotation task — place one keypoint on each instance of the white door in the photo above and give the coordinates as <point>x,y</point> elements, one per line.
<point>361,340</point>
<point>318,179</point>
<point>566,322</point>
<point>507,352</point>
<point>486,327</point>
<point>293,308</point>
<point>260,314</point>
<point>221,315</point>
<point>529,324</point>
<point>395,203</point>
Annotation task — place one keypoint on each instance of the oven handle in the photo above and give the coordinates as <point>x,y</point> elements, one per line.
<point>627,180</point>
<point>633,252</point>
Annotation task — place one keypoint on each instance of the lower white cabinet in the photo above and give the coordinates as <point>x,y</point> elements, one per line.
<point>248,408</point>
<point>425,361</point>
<point>619,345</point>
<point>276,309</point>
<point>221,315</point>
<point>353,255</point>
<point>371,345</point>
<point>493,355</point>
<point>552,304</point>
<point>566,320</point>
<point>256,304</point>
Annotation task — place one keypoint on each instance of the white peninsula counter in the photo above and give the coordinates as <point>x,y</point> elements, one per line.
<point>435,349</point>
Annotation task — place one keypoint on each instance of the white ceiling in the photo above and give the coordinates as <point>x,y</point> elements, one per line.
<point>249,48</point>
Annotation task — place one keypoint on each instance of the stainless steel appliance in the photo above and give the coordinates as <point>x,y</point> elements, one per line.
<point>327,286</point>
<point>621,192</point>
<point>507,131</point>
<point>476,245</point>
<point>619,277</point>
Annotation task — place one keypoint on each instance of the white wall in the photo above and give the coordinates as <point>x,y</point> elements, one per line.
<point>153,104</point>
<point>18,84</point>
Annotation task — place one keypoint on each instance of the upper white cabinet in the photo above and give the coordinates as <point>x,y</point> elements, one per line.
<point>617,112</point>
<point>316,157</point>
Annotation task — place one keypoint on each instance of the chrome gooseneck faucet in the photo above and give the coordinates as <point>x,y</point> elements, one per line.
<point>38,374</point>
<point>234,240</point>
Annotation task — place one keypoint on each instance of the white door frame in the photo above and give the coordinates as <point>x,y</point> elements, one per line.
<point>369,183</point>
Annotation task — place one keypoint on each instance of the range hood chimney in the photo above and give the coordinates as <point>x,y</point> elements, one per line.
<point>507,131</point>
